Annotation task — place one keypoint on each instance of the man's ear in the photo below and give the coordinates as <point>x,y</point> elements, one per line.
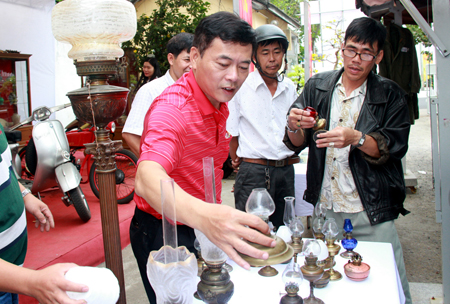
<point>379,57</point>
<point>170,58</point>
<point>195,56</point>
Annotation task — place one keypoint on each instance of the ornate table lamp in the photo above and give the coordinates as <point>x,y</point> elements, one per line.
<point>95,29</point>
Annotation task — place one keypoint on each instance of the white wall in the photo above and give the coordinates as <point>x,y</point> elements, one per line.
<point>27,29</point>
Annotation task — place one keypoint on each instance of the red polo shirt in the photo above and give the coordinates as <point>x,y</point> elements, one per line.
<point>180,128</point>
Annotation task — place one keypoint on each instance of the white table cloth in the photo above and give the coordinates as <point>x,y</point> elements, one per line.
<point>302,208</point>
<point>382,286</point>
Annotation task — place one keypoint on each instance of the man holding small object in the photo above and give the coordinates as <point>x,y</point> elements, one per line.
<point>355,167</point>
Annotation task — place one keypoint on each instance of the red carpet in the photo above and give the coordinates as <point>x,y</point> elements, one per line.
<point>71,240</point>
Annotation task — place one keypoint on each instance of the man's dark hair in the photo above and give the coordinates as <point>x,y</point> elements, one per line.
<point>180,42</point>
<point>366,30</point>
<point>226,26</point>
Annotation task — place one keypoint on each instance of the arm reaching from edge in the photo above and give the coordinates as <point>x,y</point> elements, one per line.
<point>47,285</point>
<point>225,226</point>
<point>133,141</point>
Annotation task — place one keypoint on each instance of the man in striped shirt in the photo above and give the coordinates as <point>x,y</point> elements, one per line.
<point>184,124</point>
<point>47,285</point>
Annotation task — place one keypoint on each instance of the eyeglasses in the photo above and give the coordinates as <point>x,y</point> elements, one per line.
<point>363,56</point>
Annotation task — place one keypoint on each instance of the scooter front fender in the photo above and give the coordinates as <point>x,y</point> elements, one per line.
<point>67,176</point>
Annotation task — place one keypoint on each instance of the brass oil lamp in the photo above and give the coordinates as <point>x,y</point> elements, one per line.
<point>95,30</point>
<point>260,203</point>
<point>331,230</point>
<point>311,271</point>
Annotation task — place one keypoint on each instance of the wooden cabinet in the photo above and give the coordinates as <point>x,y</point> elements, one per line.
<point>15,96</point>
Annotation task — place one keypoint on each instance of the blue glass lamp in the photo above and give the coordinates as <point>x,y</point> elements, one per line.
<point>349,242</point>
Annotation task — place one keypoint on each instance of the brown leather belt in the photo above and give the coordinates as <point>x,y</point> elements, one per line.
<point>273,163</point>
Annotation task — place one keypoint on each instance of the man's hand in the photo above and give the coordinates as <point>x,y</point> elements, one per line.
<point>49,285</point>
<point>339,137</point>
<point>300,119</point>
<point>235,163</point>
<point>41,212</point>
<point>230,229</point>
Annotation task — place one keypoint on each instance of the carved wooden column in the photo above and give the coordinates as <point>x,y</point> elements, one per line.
<point>104,151</point>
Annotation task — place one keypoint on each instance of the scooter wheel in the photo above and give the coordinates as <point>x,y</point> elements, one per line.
<point>78,200</point>
<point>126,165</point>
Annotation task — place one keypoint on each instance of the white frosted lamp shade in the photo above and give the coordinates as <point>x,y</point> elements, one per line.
<point>210,252</point>
<point>94,28</point>
<point>311,248</point>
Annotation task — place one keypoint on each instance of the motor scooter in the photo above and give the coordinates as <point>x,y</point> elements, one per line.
<point>48,159</point>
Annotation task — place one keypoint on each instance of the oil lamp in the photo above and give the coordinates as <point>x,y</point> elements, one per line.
<point>321,261</point>
<point>296,228</point>
<point>349,242</point>
<point>311,271</point>
<point>95,29</point>
<point>320,211</point>
<point>294,224</point>
<point>260,203</point>
<point>356,270</point>
<point>331,230</point>
<point>292,278</point>
<point>215,285</point>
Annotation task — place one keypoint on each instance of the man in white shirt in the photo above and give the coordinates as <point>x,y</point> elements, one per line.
<point>257,123</point>
<point>178,49</point>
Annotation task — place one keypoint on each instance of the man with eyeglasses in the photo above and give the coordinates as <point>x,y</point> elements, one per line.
<point>354,168</point>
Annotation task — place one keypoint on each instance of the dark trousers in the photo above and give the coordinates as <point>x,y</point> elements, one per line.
<point>280,179</point>
<point>146,235</point>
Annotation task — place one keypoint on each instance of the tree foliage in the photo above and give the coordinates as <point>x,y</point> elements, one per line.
<point>170,18</point>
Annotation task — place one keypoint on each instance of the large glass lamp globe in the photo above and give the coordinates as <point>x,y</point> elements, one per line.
<point>260,203</point>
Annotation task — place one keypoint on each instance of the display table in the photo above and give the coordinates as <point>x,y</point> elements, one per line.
<point>382,286</point>
<point>302,208</point>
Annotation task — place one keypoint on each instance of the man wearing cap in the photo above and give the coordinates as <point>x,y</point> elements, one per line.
<point>257,123</point>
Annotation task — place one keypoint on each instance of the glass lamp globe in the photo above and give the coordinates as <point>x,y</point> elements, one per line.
<point>311,248</point>
<point>330,229</point>
<point>296,227</point>
<point>320,210</point>
<point>292,274</point>
<point>292,279</point>
<point>95,29</point>
<point>210,252</point>
<point>260,203</point>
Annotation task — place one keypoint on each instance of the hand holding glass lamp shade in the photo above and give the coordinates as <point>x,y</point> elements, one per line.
<point>331,230</point>
<point>260,203</point>
<point>292,279</point>
<point>172,270</point>
<point>311,272</point>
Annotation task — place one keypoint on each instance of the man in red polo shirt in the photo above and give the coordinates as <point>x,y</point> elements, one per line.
<point>184,124</point>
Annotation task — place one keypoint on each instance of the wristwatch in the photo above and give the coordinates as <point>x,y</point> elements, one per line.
<point>25,192</point>
<point>289,129</point>
<point>361,140</point>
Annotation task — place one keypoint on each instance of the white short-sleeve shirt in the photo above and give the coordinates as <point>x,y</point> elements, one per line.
<point>259,119</point>
<point>141,103</point>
